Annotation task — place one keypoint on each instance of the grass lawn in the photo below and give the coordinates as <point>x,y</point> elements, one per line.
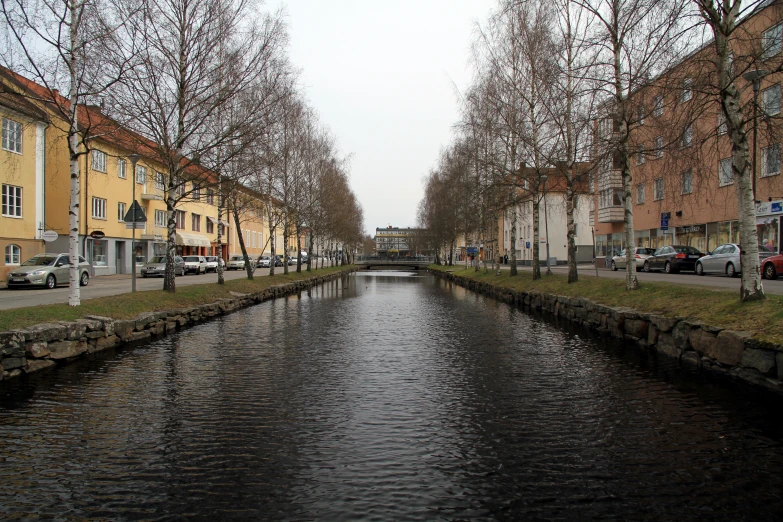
<point>713,307</point>
<point>128,305</point>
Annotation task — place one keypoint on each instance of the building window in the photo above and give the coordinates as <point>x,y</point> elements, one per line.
<point>99,208</point>
<point>179,187</point>
<point>160,218</point>
<point>686,182</point>
<point>770,160</point>
<point>99,160</point>
<point>725,173</point>
<point>121,211</point>
<point>12,135</point>
<point>160,181</point>
<point>591,182</point>
<point>658,106</point>
<point>770,100</point>
<point>640,156</point>
<point>771,41</point>
<point>12,201</point>
<point>210,227</point>
<point>141,174</point>
<point>121,168</point>
<point>13,255</point>
<point>640,193</point>
<point>658,189</point>
<point>179,216</point>
<point>195,222</point>
<point>723,126</point>
<point>687,93</point>
<point>196,193</point>
<point>658,147</point>
<point>640,114</point>
<point>687,136</point>
<point>210,197</point>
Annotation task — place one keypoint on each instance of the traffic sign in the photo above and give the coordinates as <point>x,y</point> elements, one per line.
<point>665,220</point>
<point>135,214</point>
<point>527,244</point>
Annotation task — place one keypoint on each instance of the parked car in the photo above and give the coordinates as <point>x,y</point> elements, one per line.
<point>212,263</point>
<point>672,259</point>
<point>278,261</point>
<point>157,266</point>
<point>195,264</point>
<point>291,260</point>
<point>640,254</point>
<point>237,262</point>
<point>725,259</point>
<point>47,270</point>
<point>264,261</point>
<point>772,266</point>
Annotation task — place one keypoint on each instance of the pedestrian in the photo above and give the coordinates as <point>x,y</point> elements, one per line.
<point>505,259</point>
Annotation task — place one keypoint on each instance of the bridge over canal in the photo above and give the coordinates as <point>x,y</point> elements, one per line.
<point>370,262</point>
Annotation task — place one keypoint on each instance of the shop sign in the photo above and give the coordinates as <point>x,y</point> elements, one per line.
<point>97,234</point>
<point>769,207</point>
<point>49,236</point>
<point>689,229</point>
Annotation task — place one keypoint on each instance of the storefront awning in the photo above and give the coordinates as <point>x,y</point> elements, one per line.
<point>192,240</point>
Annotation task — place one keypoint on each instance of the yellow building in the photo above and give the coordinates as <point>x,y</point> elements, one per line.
<point>22,170</point>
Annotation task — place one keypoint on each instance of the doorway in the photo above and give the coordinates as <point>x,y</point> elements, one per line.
<point>120,257</point>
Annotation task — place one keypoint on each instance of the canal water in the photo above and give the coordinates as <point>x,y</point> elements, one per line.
<point>386,396</point>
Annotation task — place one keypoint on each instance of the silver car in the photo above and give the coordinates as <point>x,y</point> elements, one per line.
<point>47,270</point>
<point>640,254</point>
<point>265,261</point>
<point>195,264</point>
<point>725,259</point>
<point>157,267</point>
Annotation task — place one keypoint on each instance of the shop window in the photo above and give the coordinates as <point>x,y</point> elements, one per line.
<point>13,254</point>
<point>99,248</point>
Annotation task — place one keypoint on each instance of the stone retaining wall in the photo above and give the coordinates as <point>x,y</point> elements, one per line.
<point>49,344</point>
<point>714,349</point>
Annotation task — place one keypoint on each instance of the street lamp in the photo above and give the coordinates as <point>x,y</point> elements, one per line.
<point>134,158</point>
<point>546,227</point>
<point>755,77</point>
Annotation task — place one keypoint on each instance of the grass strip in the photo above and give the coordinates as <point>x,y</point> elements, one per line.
<point>129,305</point>
<point>764,319</point>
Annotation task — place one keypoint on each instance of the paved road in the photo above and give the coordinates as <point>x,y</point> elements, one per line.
<point>712,281</point>
<point>111,285</point>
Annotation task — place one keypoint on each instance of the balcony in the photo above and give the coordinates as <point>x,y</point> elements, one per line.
<point>610,214</point>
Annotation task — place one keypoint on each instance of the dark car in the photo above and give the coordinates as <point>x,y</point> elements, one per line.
<point>672,259</point>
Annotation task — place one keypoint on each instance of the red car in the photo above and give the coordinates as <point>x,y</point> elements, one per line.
<point>772,266</point>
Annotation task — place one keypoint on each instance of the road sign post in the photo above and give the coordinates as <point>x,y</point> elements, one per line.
<point>135,218</point>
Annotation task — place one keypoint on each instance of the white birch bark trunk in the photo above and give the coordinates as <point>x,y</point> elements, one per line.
<point>74,293</point>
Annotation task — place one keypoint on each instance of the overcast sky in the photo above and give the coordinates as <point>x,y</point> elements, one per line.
<point>384,76</point>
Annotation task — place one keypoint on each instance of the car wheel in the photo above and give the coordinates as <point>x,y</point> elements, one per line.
<point>144,276</point>
<point>769,271</point>
<point>646,266</point>
<point>51,282</point>
<point>668,267</point>
<point>730,270</point>
<point>614,266</point>
<point>84,279</point>
<point>699,269</point>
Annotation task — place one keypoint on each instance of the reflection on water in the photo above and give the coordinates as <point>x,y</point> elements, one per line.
<point>386,396</point>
